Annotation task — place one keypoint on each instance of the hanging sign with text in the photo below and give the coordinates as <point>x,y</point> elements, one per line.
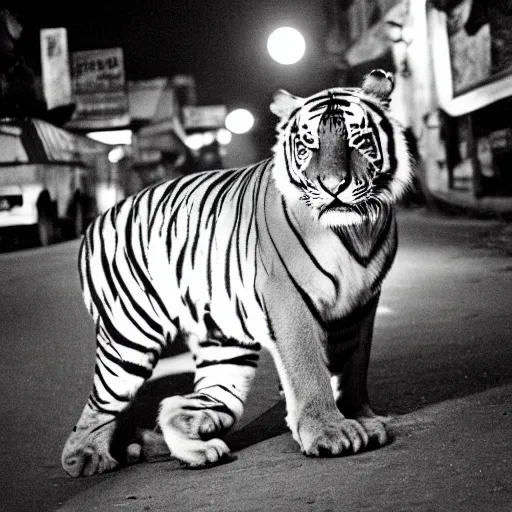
<point>99,90</point>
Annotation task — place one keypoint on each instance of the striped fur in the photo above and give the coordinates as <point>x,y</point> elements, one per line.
<point>287,254</point>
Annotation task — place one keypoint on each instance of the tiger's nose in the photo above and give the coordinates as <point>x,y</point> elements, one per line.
<point>335,185</point>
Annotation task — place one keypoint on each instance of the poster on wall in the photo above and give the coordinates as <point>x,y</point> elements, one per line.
<point>99,90</point>
<point>480,41</point>
<point>55,71</point>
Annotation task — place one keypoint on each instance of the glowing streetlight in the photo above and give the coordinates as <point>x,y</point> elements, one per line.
<point>239,121</point>
<point>286,45</point>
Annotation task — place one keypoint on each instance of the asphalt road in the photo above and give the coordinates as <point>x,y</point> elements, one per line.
<point>441,366</point>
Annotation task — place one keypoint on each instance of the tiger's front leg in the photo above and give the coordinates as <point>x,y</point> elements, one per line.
<point>348,356</point>
<point>312,415</point>
<point>192,425</point>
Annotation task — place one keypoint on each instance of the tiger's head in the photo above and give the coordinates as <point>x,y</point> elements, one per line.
<point>340,152</point>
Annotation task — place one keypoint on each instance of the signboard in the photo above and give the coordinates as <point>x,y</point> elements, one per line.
<point>99,90</point>
<point>206,116</point>
<point>55,67</point>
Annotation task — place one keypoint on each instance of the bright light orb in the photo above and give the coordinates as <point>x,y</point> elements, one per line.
<point>116,155</point>
<point>239,121</point>
<point>286,45</point>
<point>224,136</point>
<point>194,141</point>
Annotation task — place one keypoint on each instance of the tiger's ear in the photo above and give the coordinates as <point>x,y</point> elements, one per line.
<point>284,103</point>
<point>379,83</point>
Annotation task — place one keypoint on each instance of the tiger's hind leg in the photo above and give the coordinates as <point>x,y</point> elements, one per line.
<point>121,368</point>
<point>348,356</point>
<point>192,425</point>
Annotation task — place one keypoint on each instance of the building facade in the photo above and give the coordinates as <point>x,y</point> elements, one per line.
<point>452,61</point>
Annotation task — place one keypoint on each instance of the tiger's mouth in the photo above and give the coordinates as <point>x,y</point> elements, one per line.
<point>336,205</point>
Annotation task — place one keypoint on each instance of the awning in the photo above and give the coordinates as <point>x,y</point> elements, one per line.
<point>33,141</point>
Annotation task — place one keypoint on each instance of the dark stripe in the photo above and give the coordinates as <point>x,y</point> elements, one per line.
<point>289,151</point>
<point>181,255</point>
<point>142,246</point>
<point>137,272</point>
<point>222,193</point>
<point>239,222</point>
<point>137,325</point>
<point>210,343</point>
<point>389,260</point>
<point>120,398</point>
<point>109,370</point>
<point>225,389</point>
<point>306,248</point>
<point>96,406</point>
<point>97,398</point>
<point>81,255</point>
<point>190,305</point>
<point>218,407</point>
<point>139,309</point>
<point>269,323</point>
<point>244,360</point>
<point>233,342</point>
<point>386,126</point>
<point>214,209</point>
<point>241,188</point>
<point>254,206</point>
<point>259,203</point>
<point>305,297</point>
<point>242,316</point>
<point>203,397</point>
<point>109,326</point>
<point>130,368</point>
<point>105,264</point>
<point>166,196</point>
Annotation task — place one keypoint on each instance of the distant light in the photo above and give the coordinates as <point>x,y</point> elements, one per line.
<point>194,141</point>
<point>208,138</point>
<point>286,45</point>
<point>114,137</point>
<point>116,154</point>
<point>224,136</point>
<point>239,121</point>
<point>106,196</point>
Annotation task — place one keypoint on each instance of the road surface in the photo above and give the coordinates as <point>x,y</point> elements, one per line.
<point>441,366</point>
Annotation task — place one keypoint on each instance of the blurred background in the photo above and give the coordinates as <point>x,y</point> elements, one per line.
<point>100,99</point>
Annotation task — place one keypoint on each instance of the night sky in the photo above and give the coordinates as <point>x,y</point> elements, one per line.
<point>221,42</point>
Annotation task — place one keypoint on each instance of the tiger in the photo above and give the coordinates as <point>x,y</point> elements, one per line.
<point>288,254</point>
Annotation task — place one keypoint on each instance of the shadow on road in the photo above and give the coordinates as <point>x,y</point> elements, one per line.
<point>143,411</point>
<point>399,385</point>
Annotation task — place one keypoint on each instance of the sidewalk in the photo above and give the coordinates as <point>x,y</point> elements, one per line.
<point>454,456</point>
<point>462,201</point>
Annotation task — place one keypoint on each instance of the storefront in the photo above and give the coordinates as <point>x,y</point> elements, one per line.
<point>472,59</point>
<point>452,61</point>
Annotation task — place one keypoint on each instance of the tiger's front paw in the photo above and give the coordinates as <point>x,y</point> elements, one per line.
<point>374,426</point>
<point>331,435</point>
<point>189,426</point>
